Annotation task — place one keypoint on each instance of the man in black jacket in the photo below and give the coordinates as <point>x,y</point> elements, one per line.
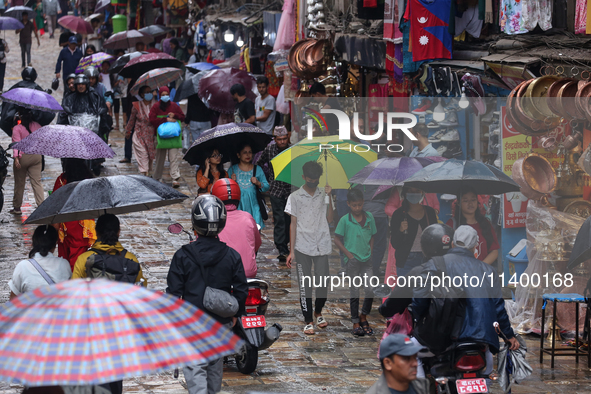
<point>207,262</point>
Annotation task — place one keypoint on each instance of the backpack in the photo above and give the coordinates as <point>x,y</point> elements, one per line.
<point>116,267</point>
<point>440,327</point>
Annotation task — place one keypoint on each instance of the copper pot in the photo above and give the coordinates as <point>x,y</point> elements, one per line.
<point>524,114</point>
<point>548,142</point>
<point>511,109</point>
<point>535,175</point>
<point>572,140</point>
<point>566,92</point>
<point>552,94</point>
<point>582,100</point>
<point>293,58</point>
<point>536,93</point>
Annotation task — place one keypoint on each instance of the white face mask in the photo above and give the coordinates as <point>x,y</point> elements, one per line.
<point>414,198</point>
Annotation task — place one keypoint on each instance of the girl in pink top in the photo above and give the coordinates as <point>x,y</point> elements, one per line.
<point>25,165</point>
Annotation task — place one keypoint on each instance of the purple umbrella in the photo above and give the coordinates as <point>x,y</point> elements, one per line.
<point>8,23</point>
<point>65,141</point>
<point>32,99</point>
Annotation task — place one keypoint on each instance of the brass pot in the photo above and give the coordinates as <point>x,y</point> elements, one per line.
<point>568,91</point>
<point>535,175</point>
<point>552,94</point>
<point>516,124</point>
<point>535,95</point>
<point>524,114</point>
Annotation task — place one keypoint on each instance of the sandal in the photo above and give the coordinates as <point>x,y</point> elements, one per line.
<point>309,329</point>
<point>321,322</point>
<point>358,332</point>
<point>366,328</point>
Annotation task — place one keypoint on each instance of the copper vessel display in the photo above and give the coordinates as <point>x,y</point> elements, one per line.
<point>552,93</point>
<point>566,96</point>
<point>306,58</point>
<point>536,93</point>
<point>523,111</point>
<point>535,175</point>
<point>511,112</point>
<point>582,100</point>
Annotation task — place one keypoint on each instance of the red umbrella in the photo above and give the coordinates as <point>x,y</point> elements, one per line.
<point>126,39</point>
<point>150,61</point>
<point>214,88</point>
<point>76,24</point>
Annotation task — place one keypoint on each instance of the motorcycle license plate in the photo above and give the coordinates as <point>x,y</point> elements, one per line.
<point>253,321</point>
<point>471,386</point>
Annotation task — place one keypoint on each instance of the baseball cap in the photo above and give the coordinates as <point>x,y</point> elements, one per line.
<point>399,344</point>
<point>73,40</point>
<point>465,237</point>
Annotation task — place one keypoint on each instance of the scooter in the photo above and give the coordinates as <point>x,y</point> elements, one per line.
<point>252,327</point>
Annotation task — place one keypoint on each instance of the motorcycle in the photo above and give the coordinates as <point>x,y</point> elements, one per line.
<point>252,326</point>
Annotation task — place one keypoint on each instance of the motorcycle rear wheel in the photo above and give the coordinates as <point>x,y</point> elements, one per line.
<point>247,359</point>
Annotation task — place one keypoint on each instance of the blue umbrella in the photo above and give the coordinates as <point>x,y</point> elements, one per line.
<point>8,23</point>
<point>201,66</point>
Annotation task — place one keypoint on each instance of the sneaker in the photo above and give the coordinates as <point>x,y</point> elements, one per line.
<point>450,120</point>
<point>433,125</point>
<point>456,86</point>
<point>452,106</point>
<point>453,151</point>
<point>450,136</point>
<point>421,110</point>
<point>437,136</point>
<point>441,150</point>
<point>176,183</point>
<point>15,211</point>
<point>430,84</point>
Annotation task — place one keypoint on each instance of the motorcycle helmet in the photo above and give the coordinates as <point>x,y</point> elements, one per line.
<point>81,79</point>
<point>29,74</point>
<point>91,71</point>
<point>436,240</point>
<point>208,215</point>
<point>227,190</point>
<point>71,76</point>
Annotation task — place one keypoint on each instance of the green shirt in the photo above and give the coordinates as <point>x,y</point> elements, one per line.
<point>356,238</point>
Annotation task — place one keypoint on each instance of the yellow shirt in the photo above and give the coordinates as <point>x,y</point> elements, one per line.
<point>80,266</point>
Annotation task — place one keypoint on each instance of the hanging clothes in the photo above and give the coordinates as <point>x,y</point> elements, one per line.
<point>581,17</point>
<point>392,11</point>
<point>285,32</point>
<point>536,12</point>
<point>469,22</point>
<point>429,22</point>
<point>511,17</point>
<point>409,66</point>
<point>377,101</point>
<point>394,61</point>
<point>588,30</point>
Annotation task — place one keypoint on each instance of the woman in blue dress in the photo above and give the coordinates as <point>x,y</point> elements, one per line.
<point>243,174</point>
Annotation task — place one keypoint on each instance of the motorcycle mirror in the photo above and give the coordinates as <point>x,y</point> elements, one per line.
<point>49,91</point>
<point>175,228</point>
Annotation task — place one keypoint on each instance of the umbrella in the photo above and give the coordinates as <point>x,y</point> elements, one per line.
<point>101,5</point>
<point>156,78</point>
<point>98,331</point>
<point>214,88</point>
<point>455,176</point>
<point>122,60</point>
<point>17,12</point>
<point>150,61</point>
<point>76,24</point>
<point>91,198</point>
<point>582,248</point>
<point>65,141</point>
<point>93,60</point>
<point>189,86</point>
<point>390,171</point>
<point>8,23</point>
<point>32,99</point>
<point>99,16</point>
<point>127,39</point>
<point>513,362</point>
<point>226,138</point>
<point>155,30</point>
<point>201,66</point>
<point>340,163</point>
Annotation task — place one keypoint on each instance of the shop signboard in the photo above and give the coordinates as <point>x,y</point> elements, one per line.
<point>514,147</point>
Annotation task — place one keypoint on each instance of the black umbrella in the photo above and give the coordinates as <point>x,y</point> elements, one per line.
<point>155,30</point>
<point>17,12</point>
<point>122,60</point>
<point>91,198</point>
<point>456,176</point>
<point>226,138</point>
<point>582,248</point>
<point>188,87</point>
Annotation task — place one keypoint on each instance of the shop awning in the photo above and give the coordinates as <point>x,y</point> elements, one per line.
<point>361,50</point>
<point>511,69</point>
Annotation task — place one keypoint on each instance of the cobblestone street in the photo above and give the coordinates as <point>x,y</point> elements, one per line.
<point>331,361</point>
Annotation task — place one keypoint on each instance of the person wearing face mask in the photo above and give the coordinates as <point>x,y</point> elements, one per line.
<point>406,227</point>
<point>162,111</point>
<point>141,128</point>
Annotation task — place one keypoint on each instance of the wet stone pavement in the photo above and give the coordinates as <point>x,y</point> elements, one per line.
<point>331,361</point>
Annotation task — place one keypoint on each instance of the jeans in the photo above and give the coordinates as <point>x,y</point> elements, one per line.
<point>342,210</point>
<point>193,131</point>
<point>304,265</point>
<point>356,268</point>
<point>414,259</point>
<point>25,50</point>
<point>128,147</point>
<point>380,243</point>
<point>52,24</point>
<point>282,221</point>
<point>2,74</point>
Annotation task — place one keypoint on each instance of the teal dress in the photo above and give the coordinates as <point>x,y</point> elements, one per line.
<point>248,196</point>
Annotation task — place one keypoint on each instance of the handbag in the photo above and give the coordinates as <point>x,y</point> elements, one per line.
<point>169,130</point>
<point>218,301</point>
<point>260,197</point>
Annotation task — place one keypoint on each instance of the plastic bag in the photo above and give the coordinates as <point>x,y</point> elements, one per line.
<point>88,121</point>
<point>281,105</point>
<point>55,84</point>
<point>401,323</point>
<point>169,130</point>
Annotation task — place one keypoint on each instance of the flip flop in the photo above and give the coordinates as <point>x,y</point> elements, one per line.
<point>358,332</point>
<point>309,328</point>
<point>366,328</point>
<point>321,322</point>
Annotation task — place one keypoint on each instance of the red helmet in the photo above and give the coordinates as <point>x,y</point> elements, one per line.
<point>226,190</point>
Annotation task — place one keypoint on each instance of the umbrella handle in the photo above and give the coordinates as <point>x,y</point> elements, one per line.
<point>499,332</point>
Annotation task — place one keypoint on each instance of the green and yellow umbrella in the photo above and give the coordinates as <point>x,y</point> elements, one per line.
<point>341,159</point>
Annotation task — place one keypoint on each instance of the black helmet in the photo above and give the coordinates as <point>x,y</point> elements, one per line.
<point>436,240</point>
<point>81,79</point>
<point>208,215</point>
<point>29,74</point>
<point>91,71</point>
<point>71,76</point>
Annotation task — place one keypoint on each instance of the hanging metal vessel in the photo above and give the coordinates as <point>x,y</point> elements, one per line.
<point>536,93</point>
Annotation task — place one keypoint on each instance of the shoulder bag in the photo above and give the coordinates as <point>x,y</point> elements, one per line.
<point>41,271</point>
<point>218,301</point>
